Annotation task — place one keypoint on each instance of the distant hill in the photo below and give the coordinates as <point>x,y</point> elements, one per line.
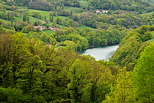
<point>128,5</point>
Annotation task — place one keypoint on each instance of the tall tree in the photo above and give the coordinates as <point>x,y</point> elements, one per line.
<point>144,76</point>
<point>79,85</point>
<point>123,89</point>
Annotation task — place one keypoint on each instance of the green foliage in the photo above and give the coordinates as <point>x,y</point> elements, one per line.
<point>79,79</point>
<point>119,18</point>
<point>36,15</point>
<point>27,29</point>
<point>13,95</point>
<point>131,47</point>
<point>131,5</point>
<point>25,18</point>
<point>42,66</point>
<point>123,89</point>
<point>42,73</point>
<point>70,45</point>
<point>143,76</point>
<point>88,38</point>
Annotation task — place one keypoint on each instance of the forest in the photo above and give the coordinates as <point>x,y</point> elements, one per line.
<point>41,41</point>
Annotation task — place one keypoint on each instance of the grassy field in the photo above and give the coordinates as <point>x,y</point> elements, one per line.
<point>84,27</point>
<point>33,19</point>
<point>74,9</point>
<point>49,32</point>
<point>44,14</point>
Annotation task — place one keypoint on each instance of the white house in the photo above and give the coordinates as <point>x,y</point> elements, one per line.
<point>102,11</point>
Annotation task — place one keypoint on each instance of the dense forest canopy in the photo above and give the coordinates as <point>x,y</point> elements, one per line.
<point>40,41</point>
<point>35,72</point>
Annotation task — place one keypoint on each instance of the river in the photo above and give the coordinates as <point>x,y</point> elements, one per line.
<point>101,52</point>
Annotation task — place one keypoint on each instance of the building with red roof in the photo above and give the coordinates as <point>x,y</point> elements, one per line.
<point>54,29</point>
<point>40,27</point>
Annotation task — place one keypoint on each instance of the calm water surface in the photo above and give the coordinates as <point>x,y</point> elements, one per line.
<point>101,52</point>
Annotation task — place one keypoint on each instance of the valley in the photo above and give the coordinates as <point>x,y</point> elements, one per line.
<point>76,51</point>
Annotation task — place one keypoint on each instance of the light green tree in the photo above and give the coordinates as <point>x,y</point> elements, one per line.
<point>144,76</point>
<point>123,89</point>
<point>79,86</point>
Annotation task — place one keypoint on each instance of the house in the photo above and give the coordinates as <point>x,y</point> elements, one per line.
<point>54,29</point>
<point>102,11</point>
<point>98,11</point>
<point>40,27</point>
